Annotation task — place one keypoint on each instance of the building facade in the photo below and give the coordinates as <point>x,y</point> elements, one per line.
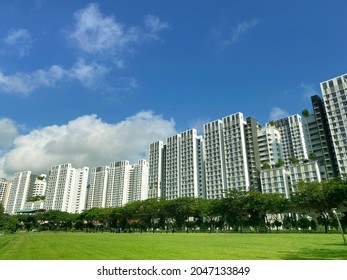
<point>66,188</point>
<point>19,191</point>
<point>118,184</point>
<point>96,197</point>
<point>292,138</point>
<point>156,166</point>
<point>334,92</point>
<point>4,191</point>
<point>138,181</point>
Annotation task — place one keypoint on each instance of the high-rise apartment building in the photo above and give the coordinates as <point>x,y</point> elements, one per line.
<point>253,152</point>
<point>176,169</point>
<point>270,147</point>
<point>96,197</point>
<point>183,166</point>
<point>292,138</point>
<point>79,193</point>
<point>66,188</point>
<point>19,190</point>
<point>4,191</point>
<point>37,190</point>
<point>318,139</point>
<point>226,156</point>
<point>334,92</point>
<point>138,181</point>
<point>304,172</point>
<point>156,165</point>
<point>275,180</point>
<point>118,184</point>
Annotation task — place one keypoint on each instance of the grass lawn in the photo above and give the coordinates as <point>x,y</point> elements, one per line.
<point>177,246</point>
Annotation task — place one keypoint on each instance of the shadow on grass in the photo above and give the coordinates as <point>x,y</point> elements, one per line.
<point>338,252</point>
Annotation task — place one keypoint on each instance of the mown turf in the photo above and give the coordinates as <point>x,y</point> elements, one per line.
<point>177,246</point>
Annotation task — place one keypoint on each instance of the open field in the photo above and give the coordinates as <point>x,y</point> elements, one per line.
<point>177,246</point>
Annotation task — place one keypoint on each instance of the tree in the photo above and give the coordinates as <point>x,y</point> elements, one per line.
<point>305,113</point>
<point>294,160</point>
<point>279,163</point>
<point>236,215</point>
<point>266,166</point>
<point>312,156</point>
<point>320,197</point>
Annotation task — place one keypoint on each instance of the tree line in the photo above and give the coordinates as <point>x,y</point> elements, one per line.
<point>309,207</point>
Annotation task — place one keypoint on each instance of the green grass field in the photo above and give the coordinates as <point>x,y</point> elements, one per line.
<point>177,246</point>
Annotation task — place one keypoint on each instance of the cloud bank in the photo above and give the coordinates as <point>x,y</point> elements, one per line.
<point>85,141</point>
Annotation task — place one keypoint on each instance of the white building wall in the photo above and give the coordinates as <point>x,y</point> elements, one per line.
<point>305,172</point>
<point>172,164</point>
<point>66,188</point>
<point>39,189</point>
<point>214,159</point>
<point>155,169</point>
<point>4,191</point>
<point>270,147</point>
<point>18,191</point>
<point>138,181</point>
<point>79,191</point>
<point>235,152</point>
<point>292,138</point>
<point>334,93</point>
<point>98,187</point>
<point>275,180</point>
<point>118,184</point>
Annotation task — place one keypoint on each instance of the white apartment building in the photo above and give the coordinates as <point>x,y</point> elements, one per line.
<point>275,180</point>
<point>155,176</point>
<point>19,190</point>
<point>292,138</point>
<point>172,167</point>
<point>79,191</point>
<point>304,172</point>
<point>4,191</point>
<point>118,184</point>
<point>39,189</point>
<point>270,147</point>
<point>183,166</point>
<point>334,92</point>
<point>138,181</point>
<point>237,175</point>
<point>225,156</point>
<point>98,187</point>
<point>284,180</point>
<point>66,188</point>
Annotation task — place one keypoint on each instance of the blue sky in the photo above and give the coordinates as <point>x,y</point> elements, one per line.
<point>96,82</point>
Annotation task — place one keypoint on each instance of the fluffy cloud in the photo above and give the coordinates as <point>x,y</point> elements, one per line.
<point>23,83</point>
<point>95,33</point>
<point>86,141</point>
<point>20,40</point>
<point>309,91</point>
<point>8,130</point>
<point>278,113</point>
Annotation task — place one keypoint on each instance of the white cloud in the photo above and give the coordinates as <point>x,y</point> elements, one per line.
<point>154,24</point>
<point>86,141</point>
<point>20,40</point>
<point>278,113</point>
<point>198,124</point>
<point>309,91</point>
<point>24,83</point>
<point>95,33</point>
<point>236,32</point>
<point>8,130</point>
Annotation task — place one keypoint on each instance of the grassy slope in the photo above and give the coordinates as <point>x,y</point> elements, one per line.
<point>178,246</point>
